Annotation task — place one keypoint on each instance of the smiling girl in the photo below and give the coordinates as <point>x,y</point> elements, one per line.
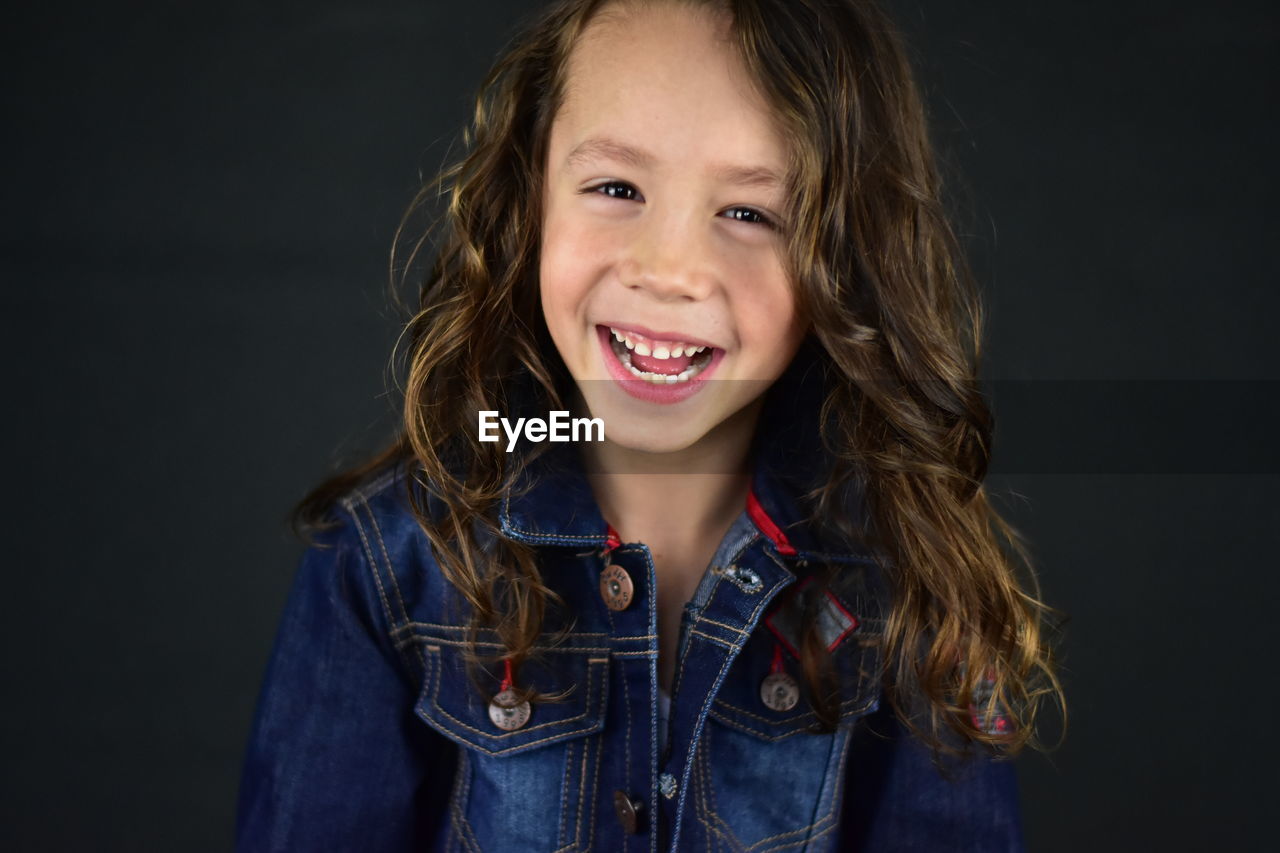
<point>772,610</point>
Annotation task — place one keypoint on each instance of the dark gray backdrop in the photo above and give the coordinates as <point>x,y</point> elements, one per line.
<point>199,202</point>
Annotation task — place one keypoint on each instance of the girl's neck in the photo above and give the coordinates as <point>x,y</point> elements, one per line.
<point>678,504</point>
<point>675,498</point>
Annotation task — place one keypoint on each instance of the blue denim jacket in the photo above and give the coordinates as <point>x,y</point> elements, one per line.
<point>370,735</point>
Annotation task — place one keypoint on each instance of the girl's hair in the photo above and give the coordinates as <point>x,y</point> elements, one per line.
<point>879,275</point>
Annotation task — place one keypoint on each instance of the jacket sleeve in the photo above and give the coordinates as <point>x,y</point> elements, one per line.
<point>897,800</point>
<point>337,759</point>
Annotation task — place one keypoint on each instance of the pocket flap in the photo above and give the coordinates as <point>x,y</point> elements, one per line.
<point>451,704</point>
<point>739,704</point>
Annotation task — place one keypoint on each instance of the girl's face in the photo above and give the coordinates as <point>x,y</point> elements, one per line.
<point>662,275</point>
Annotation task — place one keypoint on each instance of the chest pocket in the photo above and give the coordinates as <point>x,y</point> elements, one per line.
<point>545,763</point>
<point>766,779</point>
<point>740,706</point>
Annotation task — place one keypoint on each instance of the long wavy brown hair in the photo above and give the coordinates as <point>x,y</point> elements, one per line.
<point>878,273</point>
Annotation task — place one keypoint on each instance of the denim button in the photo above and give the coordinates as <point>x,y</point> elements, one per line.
<point>508,714</point>
<point>779,692</point>
<point>667,785</point>
<point>616,588</point>
<point>628,812</point>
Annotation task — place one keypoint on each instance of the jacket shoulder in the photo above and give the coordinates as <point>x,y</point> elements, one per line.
<point>377,519</point>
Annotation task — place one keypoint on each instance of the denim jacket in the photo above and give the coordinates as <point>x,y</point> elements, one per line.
<point>370,734</point>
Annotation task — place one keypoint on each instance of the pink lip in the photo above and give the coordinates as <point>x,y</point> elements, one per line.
<point>648,391</point>
<point>661,336</point>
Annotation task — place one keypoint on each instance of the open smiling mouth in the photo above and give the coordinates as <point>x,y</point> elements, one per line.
<point>657,370</point>
<point>659,362</point>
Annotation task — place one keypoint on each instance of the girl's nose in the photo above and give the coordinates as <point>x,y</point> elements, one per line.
<point>670,258</point>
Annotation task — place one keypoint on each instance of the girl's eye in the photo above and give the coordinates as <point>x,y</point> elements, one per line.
<point>626,192</point>
<point>616,189</point>
<point>750,215</point>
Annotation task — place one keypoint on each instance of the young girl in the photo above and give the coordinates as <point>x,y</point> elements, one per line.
<point>771,609</point>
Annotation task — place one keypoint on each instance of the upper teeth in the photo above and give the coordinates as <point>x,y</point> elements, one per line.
<point>659,349</point>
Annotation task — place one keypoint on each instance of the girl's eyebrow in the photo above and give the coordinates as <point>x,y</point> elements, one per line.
<point>605,148</point>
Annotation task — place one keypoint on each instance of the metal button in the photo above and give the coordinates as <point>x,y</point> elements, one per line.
<point>779,692</point>
<point>667,785</point>
<point>616,588</point>
<point>628,812</point>
<point>508,714</point>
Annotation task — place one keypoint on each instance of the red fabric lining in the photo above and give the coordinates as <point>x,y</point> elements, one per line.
<point>767,526</point>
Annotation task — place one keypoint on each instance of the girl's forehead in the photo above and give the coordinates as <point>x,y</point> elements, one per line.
<point>669,74</point>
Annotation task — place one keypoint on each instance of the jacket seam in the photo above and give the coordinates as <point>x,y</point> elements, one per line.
<point>565,782</point>
<point>461,795</point>
<point>391,569</point>
<point>466,834</point>
<point>704,808</point>
<point>626,704</point>
<point>372,566</point>
<point>723,719</point>
<point>391,573</point>
<point>694,632</point>
<point>370,489</point>
<point>724,625</point>
<point>551,538</point>
<point>594,790</point>
<point>830,817</point>
<point>409,625</point>
<point>696,735</point>
<point>423,640</point>
<point>809,832</point>
<point>582,791</point>
<point>684,653</point>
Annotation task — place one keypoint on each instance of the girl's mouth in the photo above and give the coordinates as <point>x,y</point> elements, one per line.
<point>653,369</point>
<point>659,361</point>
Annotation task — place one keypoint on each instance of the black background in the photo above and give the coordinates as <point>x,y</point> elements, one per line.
<point>199,203</point>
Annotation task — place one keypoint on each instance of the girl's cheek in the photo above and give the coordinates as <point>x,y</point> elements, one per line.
<point>579,234</point>
<point>578,257</point>
<point>561,235</point>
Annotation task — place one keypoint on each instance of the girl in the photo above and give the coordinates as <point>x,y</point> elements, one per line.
<point>771,609</point>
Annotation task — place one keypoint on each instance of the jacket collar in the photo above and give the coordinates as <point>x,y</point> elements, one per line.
<point>550,503</point>
<point>777,509</point>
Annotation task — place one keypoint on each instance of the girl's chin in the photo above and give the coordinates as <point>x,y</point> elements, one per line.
<point>652,442</point>
<point>644,427</point>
